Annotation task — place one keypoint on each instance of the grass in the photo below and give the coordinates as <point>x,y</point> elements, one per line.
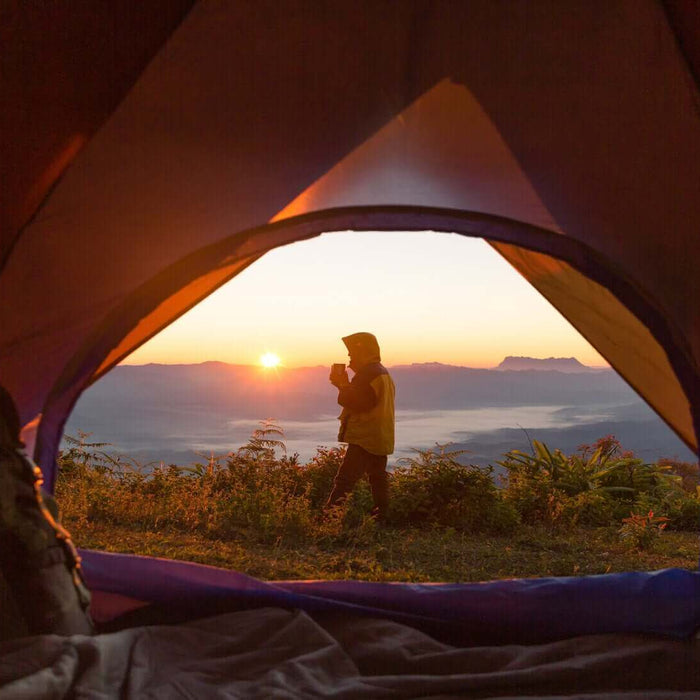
<point>416,555</point>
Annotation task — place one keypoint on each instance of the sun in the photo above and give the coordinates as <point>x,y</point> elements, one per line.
<point>269,359</point>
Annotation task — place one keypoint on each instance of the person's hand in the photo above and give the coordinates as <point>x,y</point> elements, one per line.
<point>340,379</point>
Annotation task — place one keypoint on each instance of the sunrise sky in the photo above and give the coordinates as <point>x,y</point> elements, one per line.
<point>427,297</point>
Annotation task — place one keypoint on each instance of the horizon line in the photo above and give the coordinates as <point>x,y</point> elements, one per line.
<point>314,366</point>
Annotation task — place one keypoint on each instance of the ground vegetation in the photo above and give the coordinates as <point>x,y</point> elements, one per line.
<point>261,511</point>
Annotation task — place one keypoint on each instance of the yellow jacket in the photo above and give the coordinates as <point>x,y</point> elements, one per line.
<point>367,418</point>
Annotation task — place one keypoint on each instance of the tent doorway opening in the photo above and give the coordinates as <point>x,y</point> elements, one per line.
<point>447,311</point>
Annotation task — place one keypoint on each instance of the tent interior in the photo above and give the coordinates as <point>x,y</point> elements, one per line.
<point>153,151</point>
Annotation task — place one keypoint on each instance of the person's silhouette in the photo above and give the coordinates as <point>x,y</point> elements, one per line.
<point>366,421</point>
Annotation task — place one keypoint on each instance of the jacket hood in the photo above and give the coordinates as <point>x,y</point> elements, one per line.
<point>364,346</point>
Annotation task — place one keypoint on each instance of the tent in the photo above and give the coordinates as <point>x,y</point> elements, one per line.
<point>151,151</point>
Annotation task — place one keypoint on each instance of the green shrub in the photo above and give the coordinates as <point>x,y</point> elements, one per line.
<point>587,509</point>
<point>250,493</point>
<point>319,473</point>
<point>535,498</point>
<point>435,488</point>
<point>598,485</point>
<point>642,530</point>
<point>684,514</point>
<point>689,473</point>
<point>680,507</point>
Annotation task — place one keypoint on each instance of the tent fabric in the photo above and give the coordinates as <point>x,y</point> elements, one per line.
<point>255,123</point>
<point>601,318</point>
<point>517,611</point>
<point>65,67</point>
<point>152,151</point>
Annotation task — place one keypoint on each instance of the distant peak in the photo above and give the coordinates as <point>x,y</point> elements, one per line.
<point>436,366</point>
<point>552,364</point>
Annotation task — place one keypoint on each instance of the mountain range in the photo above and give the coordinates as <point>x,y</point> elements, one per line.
<point>305,393</point>
<point>170,412</point>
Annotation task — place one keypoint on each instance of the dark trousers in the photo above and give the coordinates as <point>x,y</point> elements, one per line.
<point>356,463</point>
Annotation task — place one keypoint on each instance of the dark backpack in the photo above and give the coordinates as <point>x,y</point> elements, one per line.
<point>41,585</point>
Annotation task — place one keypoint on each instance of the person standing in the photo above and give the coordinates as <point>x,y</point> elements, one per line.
<point>366,421</point>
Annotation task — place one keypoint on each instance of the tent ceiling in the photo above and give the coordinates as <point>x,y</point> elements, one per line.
<point>580,119</point>
<point>65,68</point>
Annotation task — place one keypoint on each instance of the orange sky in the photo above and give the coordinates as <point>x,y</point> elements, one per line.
<point>428,297</point>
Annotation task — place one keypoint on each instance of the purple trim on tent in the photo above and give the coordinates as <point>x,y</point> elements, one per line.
<point>511,611</point>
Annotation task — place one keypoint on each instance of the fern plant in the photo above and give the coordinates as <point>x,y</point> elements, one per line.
<point>264,441</point>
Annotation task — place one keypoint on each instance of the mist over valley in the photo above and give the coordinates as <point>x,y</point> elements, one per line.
<point>176,413</point>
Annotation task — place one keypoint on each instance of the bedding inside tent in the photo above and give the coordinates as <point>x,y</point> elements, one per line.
<point>272,652</point>
<point>153,151</point>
